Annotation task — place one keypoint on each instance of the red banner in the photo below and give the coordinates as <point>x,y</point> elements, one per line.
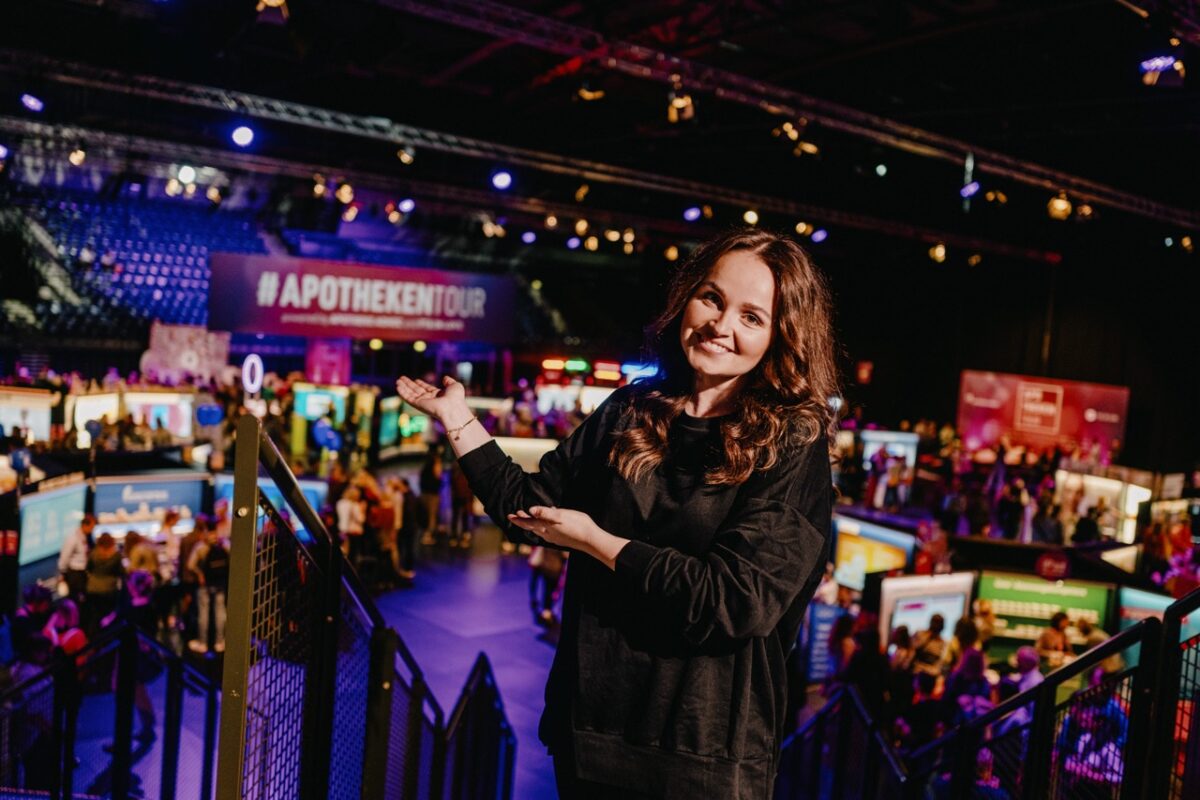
<point>1040,412</point>
<point>327,299</point>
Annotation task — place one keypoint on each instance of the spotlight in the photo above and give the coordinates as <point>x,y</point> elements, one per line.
<point>406,155</point>
<point>750,217</point>
<point>1084,211</point>
<point>33,103</point>
<point>394,216</point>
<point>3,152</point>
<point>213,194</point>
<point>881,170</point>
<point>627,236</point>
<point>536,284</point>
<point>628,248</point>
<point>77,156</point>
<point>528,237</point>
<point>820,235</point>
<point>680,107</point>
<point>344,194</point>
<point>242,136</point>
<point>1059,207</point>
<point>612,235</point>
<point>318,190</point>
<point>671,253</point>
<point>419,346</point>
<point>573,243</point>
<point>551,222</point>
<point>803,228</point>
<point>502,179</point>
<point>706,211</point>
<point>489,228</point>
<point>1186,243</point>
<point>805,148</point>
<point>350,214</point>
<point>975,260</point>
<point>279,4</point>
<point>582,192</point>
<point>1168,242</point>
<point>173,187</point>
<point>970,190</point>
<point>996,197</point>
<point>592,243</point>
<point>692,214</point>
<point>186,174</point>
<point>407,205</point>
<point>581,226</point>
<point>589,94</point>
<point>189,191</point>
<point>375,344</point>
<point>938,253</point>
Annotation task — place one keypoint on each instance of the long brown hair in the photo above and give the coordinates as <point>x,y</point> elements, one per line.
<point>784,400</point>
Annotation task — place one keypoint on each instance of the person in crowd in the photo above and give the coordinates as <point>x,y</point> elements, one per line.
<point>29,620</point>
<point>351,516</point>
<point>1087,529</point>
<point>867,668</point>
<point>209,562</point>
<point>900,670</point>
<point>1029,672</point>
<point>62,629</point>
<point>968,694</point>
<point>1018,719</point>
<point>140,554</point>
<point>1053,644</point>
<point>431,492</point>
<point>841,645</point>
<point>926,718</point>
<point>697,504</point>
<point>1046,526</point>
<point>987,785</point>
<point>985,622</point>
<point>462,520</point>
<point>929,648</point>
<point>391,513</point>
<point>188,579</point>
<point>965,637</point>
<point>1010,508</point>
<point>73,558</point>
<point>1091,740</point>
<point>105,572</point>
<point>1094,636</point>
<point>546,566</point>
<point>410,529</point>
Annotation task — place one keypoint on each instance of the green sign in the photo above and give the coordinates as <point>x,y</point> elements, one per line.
<point>1026,602</point>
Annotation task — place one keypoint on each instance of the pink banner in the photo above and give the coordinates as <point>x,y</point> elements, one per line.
<point>328,361</point>
<point>1040,412</point>
<point>311,297</point>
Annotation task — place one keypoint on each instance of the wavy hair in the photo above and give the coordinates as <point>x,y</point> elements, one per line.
<point>782,402</point>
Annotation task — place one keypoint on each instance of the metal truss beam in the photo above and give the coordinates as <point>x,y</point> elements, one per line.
<point>521,26</point>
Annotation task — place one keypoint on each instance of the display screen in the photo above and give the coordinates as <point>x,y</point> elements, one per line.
<point>912,600</point>
<point>103,407</point>
<point>314,402</point>
<point>27,410</point>
<point>47,518</point>
<point>1116,502</point>
<point>314,491</point>
<point>389,421</point>
<point>173,411</point>
<point>869,547</point>
<point>896,442</point>
<point>1025,603</point>
<point>146,500</point>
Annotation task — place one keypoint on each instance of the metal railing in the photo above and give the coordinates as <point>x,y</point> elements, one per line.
<point>321,698</point>
<point>1175,757</point>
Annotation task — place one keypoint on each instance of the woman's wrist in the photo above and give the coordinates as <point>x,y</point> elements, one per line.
<point>456,417</point>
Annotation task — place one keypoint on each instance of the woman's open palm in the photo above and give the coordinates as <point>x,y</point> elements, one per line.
<point>437,403</point>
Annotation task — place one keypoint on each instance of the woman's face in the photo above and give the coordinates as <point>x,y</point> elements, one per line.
<point>727,325</point>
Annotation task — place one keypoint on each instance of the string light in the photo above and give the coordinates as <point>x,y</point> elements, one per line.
<point>77,156</point>
<point>671,253</point>
<point>938,253</point>
<point>750,217</point>
<point>591,243</point>
<point>406,155</point>
<point>581,226</point>
<point>582,192</point>
<point>612,235</point>
<point>345,194</point>
<point>1059,207</point>
<point>551,222</point>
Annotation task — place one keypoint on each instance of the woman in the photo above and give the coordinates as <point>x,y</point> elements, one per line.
<point>104,574</point>
<point>697,506</point>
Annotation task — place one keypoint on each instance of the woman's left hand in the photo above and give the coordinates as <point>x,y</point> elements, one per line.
<point>558,526</point>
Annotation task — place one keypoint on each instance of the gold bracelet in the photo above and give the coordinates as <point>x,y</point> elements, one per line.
<point>456,433</point>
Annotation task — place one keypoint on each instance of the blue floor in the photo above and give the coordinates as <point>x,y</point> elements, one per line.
<point>463,603</point>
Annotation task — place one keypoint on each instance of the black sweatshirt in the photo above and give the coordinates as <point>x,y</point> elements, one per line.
<point>669,676</point>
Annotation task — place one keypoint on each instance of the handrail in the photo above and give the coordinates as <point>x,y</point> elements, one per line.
<point>898,767</point>
<point>481,671</point>
<point>1183,606</point>
<point>822,712</point>
<point>1089,659</point>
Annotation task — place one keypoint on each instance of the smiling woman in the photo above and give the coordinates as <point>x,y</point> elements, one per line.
<point>697,507</point>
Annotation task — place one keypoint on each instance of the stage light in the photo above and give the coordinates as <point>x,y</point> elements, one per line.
<point>345,194</point>
<point>970,190</point>
<point>1084,211</point>
<point>679,106</point>
<point>805,149</point>
<point>318,190</point>
<point>186,174</point>
<point>407,205</point>
<point>173,187</point>
<point>582,192</point>
<point>591,243</point>
<point>419,346</point>
<point>628,248</point>
<point>627,236</point>
<point>489,228</point>
<point>77,156</point>
<point>612,235</point>
<point>1186,244</point>
<point>406,155</point>
<point>581,226</point>
<point>33,103</point>
<point>189,191</point>
<point>691,214</point>
<point>820,235</point>
<point>573,243</point>
<point>938,253</point>
<point>502,179</point>
<point>528,237</point>
<point>881,170</point>
<point>3,152</point>
<point>394,216</point>
<point>551,222</point>
<point>375,344</point>
<point>553,364</point>
<point>588,94</point>
<point>536,284</point>
<point>243,135</point>
<point>671,253</point>
<point>974,260</point>
<point>706,211</point>
<point>750,217</point>
<point>1059,207</point>
<point>576,365</point>
<point>803,228</point>
<point>350,214</point>
<point>213,194</point>
<point>1169,242</point>
<point>996,197</point>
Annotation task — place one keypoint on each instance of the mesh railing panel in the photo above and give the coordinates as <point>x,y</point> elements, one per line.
<point>26,735</point>
<point>1185,763</point>
<point>1008,756</point>
<point>856,739</point>
<point>350,699</point>
<point>398,753</point>
<point>428,765</point>
<point>189,783</point>
<point>285,596</point>
<point>1091,740</point>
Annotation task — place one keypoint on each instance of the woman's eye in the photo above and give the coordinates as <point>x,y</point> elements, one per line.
<point>711,296</point>
<point>752,319</point>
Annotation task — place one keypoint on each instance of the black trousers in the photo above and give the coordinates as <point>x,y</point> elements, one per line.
<point>571,787</point>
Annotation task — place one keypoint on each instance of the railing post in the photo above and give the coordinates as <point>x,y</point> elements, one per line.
<point>1137,775</point>
<point>240,607</point>
<point>126,685</point>
<point>172,723</point>
<point>416,722</point>
<point>1041,740</point>
<point>211,722</point>
<point>316,737</point>
<point>381,685</point>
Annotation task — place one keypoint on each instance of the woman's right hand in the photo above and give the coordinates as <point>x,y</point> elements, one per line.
<point>447,405</point>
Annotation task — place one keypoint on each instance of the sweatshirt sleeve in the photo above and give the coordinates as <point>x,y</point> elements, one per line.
<point>503,487</point>
<point>760,560</point>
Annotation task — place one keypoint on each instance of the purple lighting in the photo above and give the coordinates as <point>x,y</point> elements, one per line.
<point>243,135</point>
<point>502,180</point>
<point>573,243</point>
<point>34,104</point>
<point>528,237</point>
<point>969,190</point>
<point>3,152</point>
<point>406,205</point>
<point>692,214</point>
<point>1158,64</point>
<point>820,235</point>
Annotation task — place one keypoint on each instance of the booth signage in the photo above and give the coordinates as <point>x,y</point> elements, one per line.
<point>311,297</point>
<point>129,496</point>
<point>1053,566</point>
